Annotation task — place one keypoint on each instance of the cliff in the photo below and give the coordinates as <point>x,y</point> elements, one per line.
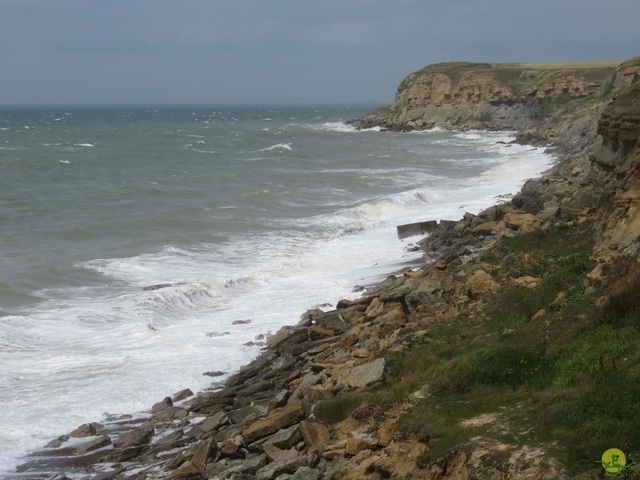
<point>497,96</point>
<point>511,352</point>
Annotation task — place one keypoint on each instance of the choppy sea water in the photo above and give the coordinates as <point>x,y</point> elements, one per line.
<point>249,213</point>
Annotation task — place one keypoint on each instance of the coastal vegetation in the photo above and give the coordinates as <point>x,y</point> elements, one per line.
<point>568,378</point>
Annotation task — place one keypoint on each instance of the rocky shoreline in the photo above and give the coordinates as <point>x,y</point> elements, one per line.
<point>283,416</point>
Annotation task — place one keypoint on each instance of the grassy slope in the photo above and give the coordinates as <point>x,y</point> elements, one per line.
<point>567,380</point>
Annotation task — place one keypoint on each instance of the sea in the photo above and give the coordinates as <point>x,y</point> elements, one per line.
<point>142,247</point>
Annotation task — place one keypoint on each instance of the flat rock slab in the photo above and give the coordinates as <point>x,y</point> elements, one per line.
<point>277,419</point>
<point>366,374</point>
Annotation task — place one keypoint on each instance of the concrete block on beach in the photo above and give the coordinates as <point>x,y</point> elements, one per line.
<point>413,229</point>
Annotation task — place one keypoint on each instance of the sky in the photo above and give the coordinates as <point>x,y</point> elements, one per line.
<point>283,51</point>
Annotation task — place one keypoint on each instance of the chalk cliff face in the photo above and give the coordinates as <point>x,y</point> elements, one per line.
<point>496,96</point>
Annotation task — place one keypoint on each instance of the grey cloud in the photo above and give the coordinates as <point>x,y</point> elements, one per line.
<point>137,51</point>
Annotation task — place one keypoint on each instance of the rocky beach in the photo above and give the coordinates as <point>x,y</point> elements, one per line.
<point>477,362</point>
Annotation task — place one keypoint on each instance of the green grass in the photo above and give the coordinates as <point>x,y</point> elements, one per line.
<point>569,382</point>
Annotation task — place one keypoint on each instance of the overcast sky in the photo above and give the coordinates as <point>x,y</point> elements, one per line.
<point>283,51</point>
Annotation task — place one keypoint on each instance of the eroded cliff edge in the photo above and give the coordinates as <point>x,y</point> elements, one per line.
<point>503,96</point>
<point>511,352</point>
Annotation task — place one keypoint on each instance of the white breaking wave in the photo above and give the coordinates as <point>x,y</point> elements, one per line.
<point>138,326</point>
<point>278,146</point>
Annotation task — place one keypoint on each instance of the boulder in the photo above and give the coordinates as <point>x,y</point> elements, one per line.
<point>315,435</point>
<point>481,283</point>
<point>279,336</point>
<point>357,445</point>
<point>133,438</point>
<point>169,414</point>
<point>172,440</point>
<point>366,374</point>
<point>198,455</point>
<point>286,437</point>
<point>307,473</point>
<point>277,419</point>
<point>279,467</point>
<point>247,467</point>
<point>392,319</point>
<point>488,227</point>
<point>402,457</point>
<point>188,471</point>
<point>214,421</point>
<point>276,454</point>
<point>166,403</point>
<point>517,220</point>
<point>181,395</point>
<point>374,309</point>
<point>597,274</point>
<point>559,301</point>
<point>230,448</point>
<point>86,430</point>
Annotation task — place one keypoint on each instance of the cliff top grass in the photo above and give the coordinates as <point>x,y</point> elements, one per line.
<point>523,77</point>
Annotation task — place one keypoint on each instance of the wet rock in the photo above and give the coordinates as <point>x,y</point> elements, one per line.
<point>109,475</point>
<point>241,322</point>
<point>168,415</point>
<point>165,403</point>
<point>126,454</point>
<point>87,430</point>
<point>214,421</point>
<point>309,317</point>
<point>56,443</point>
<point>188,471</point>
<point>281,335</point>
<point>172,440</point>
<point>94,444</point>
<point>133,438</point>
<point>182,395</point>
<point>317,332</point>
<point>203,452</point>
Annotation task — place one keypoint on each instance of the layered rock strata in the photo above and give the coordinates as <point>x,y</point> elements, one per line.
<point>497,96</point>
